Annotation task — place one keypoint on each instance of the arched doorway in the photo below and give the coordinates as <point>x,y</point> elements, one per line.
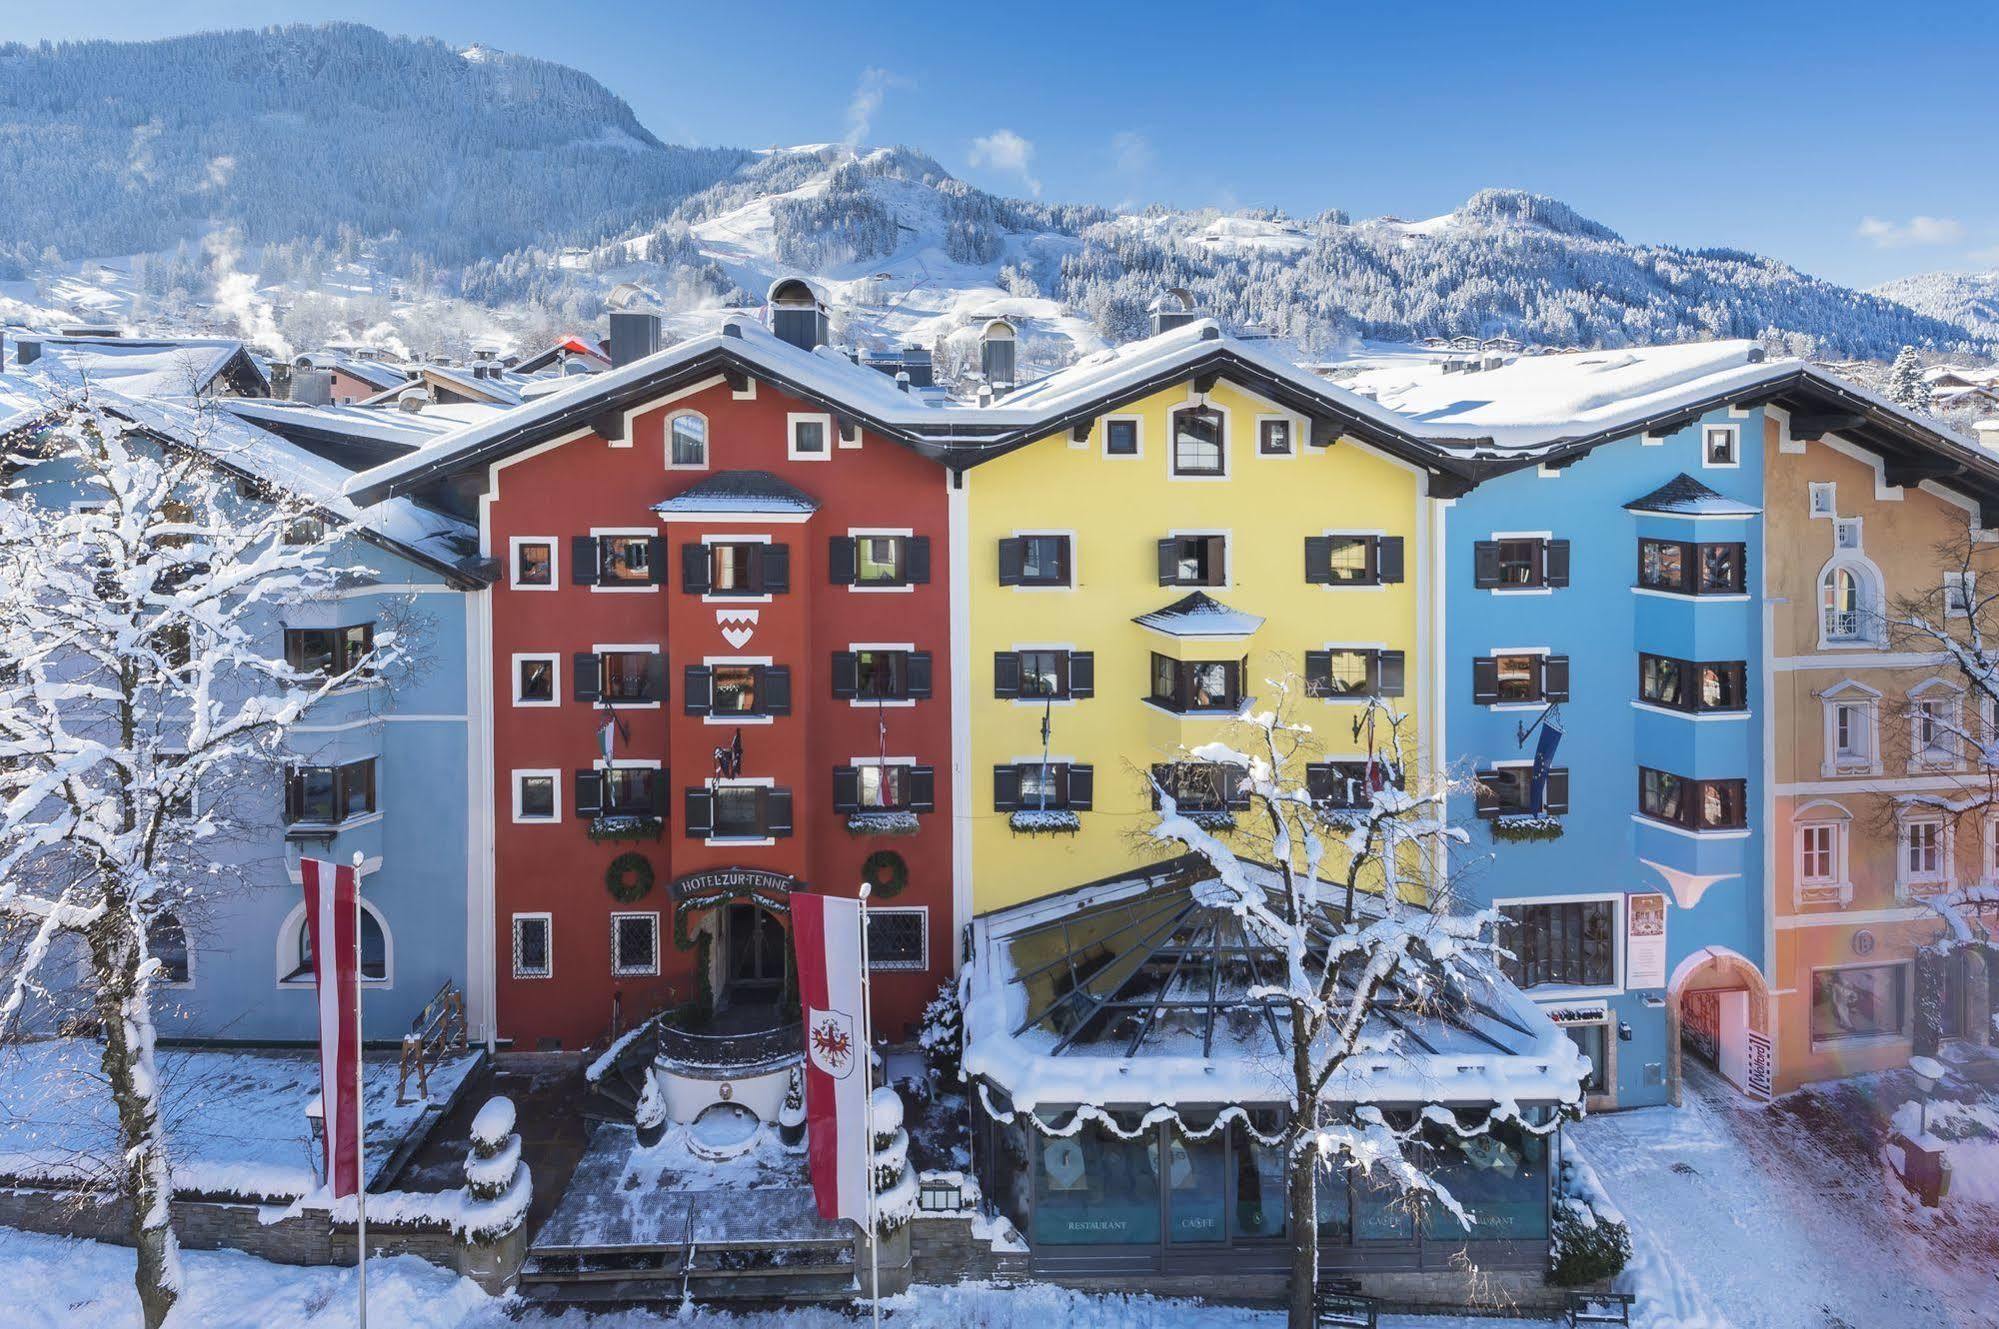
<point>756,955</point>
<point>1718,1010</point>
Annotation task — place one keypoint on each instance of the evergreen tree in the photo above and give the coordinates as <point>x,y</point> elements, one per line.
<point>1905,381</point>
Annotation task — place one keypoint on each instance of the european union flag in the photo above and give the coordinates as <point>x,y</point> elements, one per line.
<point>1544,761</point>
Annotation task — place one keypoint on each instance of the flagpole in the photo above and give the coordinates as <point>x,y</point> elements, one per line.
<point>868,1113</point>
<point>360,1116</point>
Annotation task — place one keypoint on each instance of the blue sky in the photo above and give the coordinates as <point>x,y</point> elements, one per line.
<point>1855,141</point>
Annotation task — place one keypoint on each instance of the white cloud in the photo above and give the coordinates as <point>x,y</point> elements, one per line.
<point>1005,151</point>
<point>868,94</point>
<point>1132,152</point>
<point>1915,231</point>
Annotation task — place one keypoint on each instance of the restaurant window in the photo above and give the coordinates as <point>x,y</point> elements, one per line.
<point>1034,560</point>
<point>1569,943</point>
<point>687,442</point>
<point>1499,1175</point>
<point>329,795</point>
<point>329,651</point>
<point>534,562</point>
<point>1865,1001</point>
<point>1196,685</point>
<point>1685,686</point>
<point>1095,1188</point>
<point>1198,441</point>
<point>1520,563</point>
<point>634,944</point>
<point>1697,805</point>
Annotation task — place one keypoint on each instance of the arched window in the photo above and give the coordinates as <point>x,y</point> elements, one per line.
<point>687,441</point>
<point>298,950</point>
<point>1846,603</point>
<point>166,941</point>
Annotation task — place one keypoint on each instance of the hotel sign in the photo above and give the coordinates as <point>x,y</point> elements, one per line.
<point>701,890</point>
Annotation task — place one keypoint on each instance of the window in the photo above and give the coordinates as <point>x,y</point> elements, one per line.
<point>1520,562</point>
<point>1697,805</point>
<point>898,939</point>
<point>1866,1001</point>
<point>1923,857</point>
<point>1852,735</point>
<point>884,560</point>
<point>329,651</point>
<point>1353,560</point>
<point>533,954</point>
<point>1193,560</point>
<point>879,560</point>
<point>1683,686</point>
<point>308,528</point>
<point>1196,685</point>
<point>735,689</point>
<point>1572,944</point>
<point>166,941</point>
<point>1045,673</point>
<point>1719,445</point>
<point>329,795</point>
<point>1273,438</point>
<point>1958,594</point>
<point>727,689</point>
<point>1821,853</point>
<point>1200,786</point>
<point>1508,791</point>
<point>1336,785</point>
<point>535,796</point>
<point>1121,437</point>
<point>884,787</point>
<point>1354,672</point>
<point>1824,500</point>
<point>1519,678</point>
<point>534,680</point>
<point>634,944</point>
<point>534,563</point>
<point>738,812</point>
<point>687,442</point>
<point>627,560</point>
<point>1933,727</point>
<point>630,677</point>
<point>734,568</point>
<point>1846,605</point>
<point>1846,533</point>
<point>808,434</point>
<point>374,949</point>
<point>882,673</point>
<point>1684,568</point>
<point>628,791</point>
<point>1197,441</point>
<point>1034,560</point>
<point>1033,786</point>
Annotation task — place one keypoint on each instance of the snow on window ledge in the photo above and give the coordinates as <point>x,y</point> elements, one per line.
<point>1046,821</point>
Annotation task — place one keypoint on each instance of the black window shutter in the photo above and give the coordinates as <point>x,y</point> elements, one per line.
<point>1485,563</point>
<point>1486,797</point>
<point>694,568</point>
<point>777,812</point>
<point>1389,558</point>
<point>846,674</point>
<point>1218,560</point>
<point>1558,791</point>
<point>922,788</point>
<point>586,676</point>
<point>1389,672</point>
<point>1555,678</point>
<point>1082,673</point>
<point>583,560</point>
<point>916,561</point>
<point>656,677</point>
<point>1556,563</point>
<point>1006,788</point>
<point>846,789</point>
<point>656,559</point>
<point>697,689</point>
<point>1012,558</point>
<point>841,560</point>
<point>777,568</point>
<point>1006,674</point>
<point>1319,560</point>
<point>589,787</point>
<point>774,689</point>
<point>1484,681</point>
<point>700,814</point>
<point>1081,787</point>
<point>917,674</point>
<point>656,792</point>
<point>1318,673</point>
<point>1169,561</point>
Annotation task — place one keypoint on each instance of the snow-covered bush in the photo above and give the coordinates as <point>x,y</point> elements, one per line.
<point>941,1034</point>
<point>497,1188</point>
<point>893,1179</point>
<point>1590,1240</point>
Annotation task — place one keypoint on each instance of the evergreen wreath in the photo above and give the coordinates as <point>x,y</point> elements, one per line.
<point>887,872</point>
<point>629,878</point>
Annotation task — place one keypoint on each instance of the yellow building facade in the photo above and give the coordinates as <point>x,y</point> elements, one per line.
<point>1135,582</point>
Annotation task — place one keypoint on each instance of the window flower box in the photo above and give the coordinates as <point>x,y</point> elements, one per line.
<point>1525,829</point>
<point>882,823</point>
<point>1045,821</point>
<point>1217,821</point>
<point>626,828</point>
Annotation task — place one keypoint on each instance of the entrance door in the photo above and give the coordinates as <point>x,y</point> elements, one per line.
<point>755,954</point>
<point>1733,1062</point>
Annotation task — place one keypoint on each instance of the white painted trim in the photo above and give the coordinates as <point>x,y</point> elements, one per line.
<point>555,779</point>
<point>1138,434</point>
<point>666,440</point>
<point>794,419</point>
<point>555,679</point>
<point>287,952</point>
<point>1698,716</point>
<point>1656,824</point>
<point>548,944</point>
<point>514,544</point>
<point>634,971</point>
<point>957,499</point>
<point>1858,917</point>
<point>1734,433</point>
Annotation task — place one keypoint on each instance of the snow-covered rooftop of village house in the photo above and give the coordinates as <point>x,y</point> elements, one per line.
<point>374,424</point>
<point>1684,496</point>
<point>136,367</point>
<point>1200,615</point>
<point>22,400</point>
<point>739,491</point>
<point>1146,991</point>
<point>378,373</point>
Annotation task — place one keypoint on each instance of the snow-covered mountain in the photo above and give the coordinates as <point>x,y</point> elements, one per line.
<point>307,184</point>
<point>1968,299</point>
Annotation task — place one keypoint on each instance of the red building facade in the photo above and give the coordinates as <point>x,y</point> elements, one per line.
<point>741,597</point>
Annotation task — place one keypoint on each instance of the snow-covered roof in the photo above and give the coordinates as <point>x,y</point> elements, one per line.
<point>376,373</point>
<point>739,492</point>
<point>1200,615</point>
<point>142,367</point>
<point>1146,990</point>
<point>1684,496</point>
<point>22,401</point>
<point>371,424</point>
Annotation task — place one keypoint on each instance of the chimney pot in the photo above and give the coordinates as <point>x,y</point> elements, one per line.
<point>30,350</point>
<point>634,336</point>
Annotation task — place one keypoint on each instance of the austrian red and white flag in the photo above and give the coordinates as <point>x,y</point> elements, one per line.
<point>330,891</point>
<point>826,932</point>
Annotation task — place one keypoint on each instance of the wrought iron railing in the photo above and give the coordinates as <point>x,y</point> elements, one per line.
<point>740,1052</point>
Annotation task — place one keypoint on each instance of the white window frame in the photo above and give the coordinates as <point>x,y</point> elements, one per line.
<point>1827,490</point>
<point>1138,435</point>
<point>555,777</point>
<point>1733,459</point>
<point>547,922</point>
<point>1867,596</point>
<point>1841,527</point>
<point>514,543</point>
<point>598,533</point>
<point>600,650</point>
<point>288,952</point>
<point>1284,418</point>
<point>1963,587</point>
<point>707,441</point>
<point>1196,402</point>
<point>648,971</point>
<point>824,420</point>
<point>1075,559</point>
<point>555,679</point>
<point>1947,754</point>
<point>906,534</point>
<point>1868,702</point>
<point>1837,887</point>
<point>1620,908</point>
<point>1908,881</point>
<point>903,967</point>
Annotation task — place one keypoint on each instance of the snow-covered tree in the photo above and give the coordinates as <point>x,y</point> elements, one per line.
<point>138,671</point>
<point>1358,918</point>
<point>1905,381</point>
